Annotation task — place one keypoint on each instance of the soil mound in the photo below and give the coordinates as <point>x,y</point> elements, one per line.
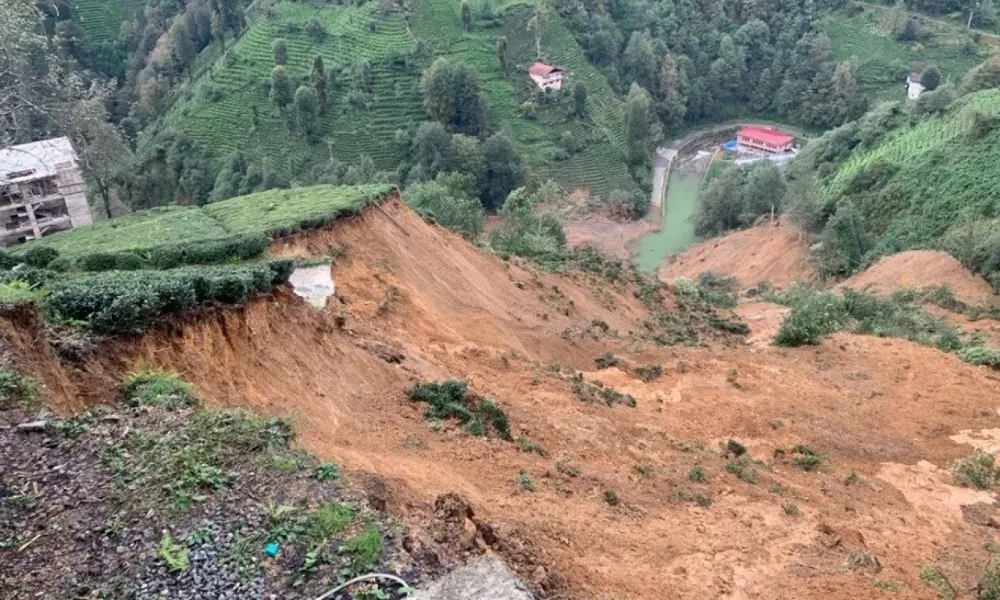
<point>918,269</point>
<point>777,254</point>
<point>617,498</point>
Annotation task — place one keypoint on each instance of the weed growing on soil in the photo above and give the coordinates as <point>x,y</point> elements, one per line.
<point>935,579</point>
<point>644,469</point>
<point>978,470</point>
<point>697,474</point>
<point>452,400</point>
<point>596,392</point>
<point>989,583</point>
<point>152,387</point>
<point>606,361</point>
<point>885,585</point>
<point>717,290</point>
<point>743,471</point>
<point>806,459</point>
<point>649,373</point>
<point>735,448</point>
<point>526,445</point>
<point>978,354</point>
<point>17,387</point>
<point>327,472</point>
<point>175,556</point>
<point>611,497</point>
<point>860,559</point>
<point>791,509</point>
<point>365,549</point>
<point>852,479</point>
<point>565,466</point>
<point>524,482</point>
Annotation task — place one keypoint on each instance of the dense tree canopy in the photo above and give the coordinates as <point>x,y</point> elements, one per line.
<point>452,97</point>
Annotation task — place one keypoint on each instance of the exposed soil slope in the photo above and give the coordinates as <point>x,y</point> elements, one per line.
<point>778,255</point>
<point>883,409</point>
<point>918,269</point>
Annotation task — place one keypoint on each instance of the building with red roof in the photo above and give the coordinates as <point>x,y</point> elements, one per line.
<point>764,138</point>
<point>546,77</point>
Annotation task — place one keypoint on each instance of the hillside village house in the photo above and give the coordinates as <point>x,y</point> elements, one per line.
<point>42,191</point>
<point>765,139</point>
<point>546,77</point>
<point>914,86</point>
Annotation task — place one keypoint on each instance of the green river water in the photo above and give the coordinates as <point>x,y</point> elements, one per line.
<point>677,231</point>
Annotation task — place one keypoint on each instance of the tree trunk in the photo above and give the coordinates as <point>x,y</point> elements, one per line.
<point>969,24</point>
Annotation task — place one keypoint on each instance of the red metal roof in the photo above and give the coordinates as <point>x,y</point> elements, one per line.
<point>542,69</point>
<point>764,134</point>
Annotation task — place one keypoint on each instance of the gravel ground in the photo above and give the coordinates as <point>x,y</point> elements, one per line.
<point>86,505</point>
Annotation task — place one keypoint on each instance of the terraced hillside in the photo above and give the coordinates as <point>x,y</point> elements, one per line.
<point>881,63</point>
<point>101,20</point>
<point>227,108</point>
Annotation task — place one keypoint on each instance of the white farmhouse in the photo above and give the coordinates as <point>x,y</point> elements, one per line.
<point>546,77</point>
<point>914,87</point>
<point>42,191</point>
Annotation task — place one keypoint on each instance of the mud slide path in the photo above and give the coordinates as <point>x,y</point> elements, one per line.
<point>424,305</point>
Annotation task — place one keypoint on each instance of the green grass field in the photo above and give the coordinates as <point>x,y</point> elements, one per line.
<point>354,32</point>
<point>272,212</point>
<point>881,63</point>
<point>923,178</point>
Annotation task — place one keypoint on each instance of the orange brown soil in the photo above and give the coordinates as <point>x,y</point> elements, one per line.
<point>919,269</point>
<point>779,255</point>
<point>610,236</point>
<point>884,409</point>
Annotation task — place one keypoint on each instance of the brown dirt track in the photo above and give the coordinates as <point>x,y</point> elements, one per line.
<point>872,406</point>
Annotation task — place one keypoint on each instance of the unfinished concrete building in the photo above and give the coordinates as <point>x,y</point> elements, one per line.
<point>42,191</point>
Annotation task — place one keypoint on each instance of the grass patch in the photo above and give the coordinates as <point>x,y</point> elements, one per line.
<point>567,467</point>
<point>743,470</point>
<point>175,556</point>
<point>451,399</point>
<point>595,393</point>
<point>611,498</point>
<point>528,446</point>
<point>649,373</point>
<point>524,482</point>
<point>791,509</point>
<point>327,472</point>
<point>152,387</point>
<point>20,292</point>
<point>977,470</point>
<point>933,578</point>
<point>15,387</point>
<point>697,474</point>
<point>805,458</point>
<point>365,549</point>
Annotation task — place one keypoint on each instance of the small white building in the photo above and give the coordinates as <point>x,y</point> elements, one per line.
<point>546,77</point>
<point>914,87</point>
<point>42,191</point>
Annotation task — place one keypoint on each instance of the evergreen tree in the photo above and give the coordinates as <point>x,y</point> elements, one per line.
<point>639,61</point>
<point>580,99</point>
<point>280,51</point>
<point>305,112</point>
<point>502,172</point>
<point>502,52</point>
<point>452,96</point>
<point>466,12</point>
<point>317,77</point>
<point>672,102</point>
<point>637,124</point>
<point>182,48</point>
<point>844,101</point>
<point>281,88</point>
<point>931,78</point>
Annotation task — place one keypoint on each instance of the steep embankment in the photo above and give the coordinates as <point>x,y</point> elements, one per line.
<point>628,502</point>
<point>779,255</point>
<point>920,269</point>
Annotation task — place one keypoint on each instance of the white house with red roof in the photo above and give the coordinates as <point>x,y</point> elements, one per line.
<point>546,77</point>
<point>770,140</point>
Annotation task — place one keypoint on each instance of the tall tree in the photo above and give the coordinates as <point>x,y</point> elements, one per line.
<point>503,172</point>
<point>502,52</point>
<point>466,12</point>
<point>281,88</point>
<point>317,77</point>
<point>844,101</point>
<point>639,61</point>
<point>182,48</point>
<point>280,50</point>
<point>305,112</point>
<point>637,124</point>
<point>580,99</point>
<point>539,23</point>
<point>672,102</point>
<point>452,96</point>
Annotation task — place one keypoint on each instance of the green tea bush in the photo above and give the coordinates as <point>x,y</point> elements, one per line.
<point>7,261</point>
<point>812,319</point>
<point>234,248</point>
<point>40,256</point>
<point>126,302</point>
<point>451,400</point>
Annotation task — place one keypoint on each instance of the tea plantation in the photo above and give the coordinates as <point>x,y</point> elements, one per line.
<point>227,108</point>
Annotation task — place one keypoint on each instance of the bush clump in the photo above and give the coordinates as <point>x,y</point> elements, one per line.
<point>40,256</point>
<point>152,387</point>
<point>127,302</point>
<point>452,400</point>
<point>812,319</point>
<point>978,470</point>
<point>17,387</point>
